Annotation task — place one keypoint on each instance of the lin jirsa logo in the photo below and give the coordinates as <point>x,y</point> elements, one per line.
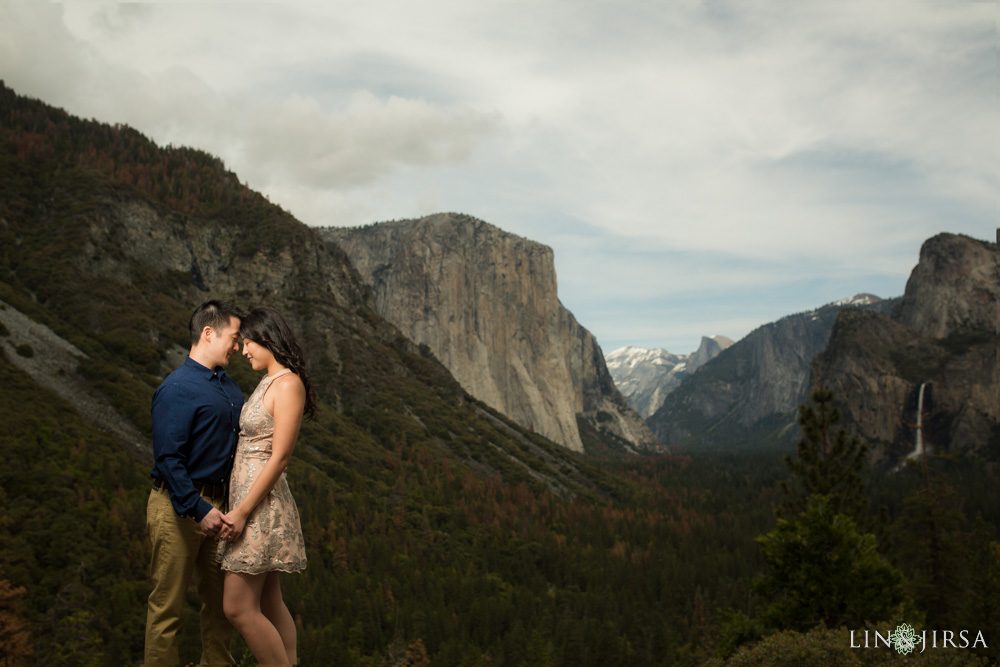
<point>905,639</point>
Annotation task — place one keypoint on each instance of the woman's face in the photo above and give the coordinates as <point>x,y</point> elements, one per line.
<point>258,355</point>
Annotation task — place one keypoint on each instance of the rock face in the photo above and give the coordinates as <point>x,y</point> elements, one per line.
<point>943,334</point>
<point>301,265</point>
<point>709,349</point>
<point>646,377</point>
<point>53,365</point>
<point>953,287</point>
<point>485,303</point>
<point>750,392</point>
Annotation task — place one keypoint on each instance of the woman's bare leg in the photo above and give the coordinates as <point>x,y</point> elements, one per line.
<point>241,601</point>
<point>273,607</point>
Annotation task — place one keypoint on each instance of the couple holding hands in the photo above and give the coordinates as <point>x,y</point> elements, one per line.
<point>220,511</point>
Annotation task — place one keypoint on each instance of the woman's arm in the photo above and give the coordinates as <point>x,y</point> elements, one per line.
<point>288,398</point>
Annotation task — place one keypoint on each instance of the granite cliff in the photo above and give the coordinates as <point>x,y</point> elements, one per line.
<point>943,335</point>
<point>953,288</point>
<point>485,304</point>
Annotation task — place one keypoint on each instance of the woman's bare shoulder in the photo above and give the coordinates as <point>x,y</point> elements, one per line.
<point>288,385</point>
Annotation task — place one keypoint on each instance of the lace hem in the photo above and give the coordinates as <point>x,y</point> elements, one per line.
<point>243,568</point>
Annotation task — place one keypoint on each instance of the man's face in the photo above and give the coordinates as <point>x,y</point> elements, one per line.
<point>222,343</point>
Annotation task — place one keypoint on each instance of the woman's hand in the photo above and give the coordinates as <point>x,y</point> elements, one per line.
<point>237,521</point>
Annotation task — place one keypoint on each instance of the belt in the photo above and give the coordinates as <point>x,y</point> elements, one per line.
<point>206,489</point>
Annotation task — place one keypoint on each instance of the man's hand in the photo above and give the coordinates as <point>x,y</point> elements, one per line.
<point>213,522</point>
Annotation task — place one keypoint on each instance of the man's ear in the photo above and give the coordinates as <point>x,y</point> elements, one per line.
<point>206,334</point>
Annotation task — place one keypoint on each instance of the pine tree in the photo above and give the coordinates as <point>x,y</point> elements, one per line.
<point>821,570</point>
<point>829,462</point>
<point>820,567</point>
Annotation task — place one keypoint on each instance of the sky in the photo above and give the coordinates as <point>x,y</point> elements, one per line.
<point>697,167</point>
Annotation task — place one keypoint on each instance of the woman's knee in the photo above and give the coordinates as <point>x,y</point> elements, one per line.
<point>233,610</point>
<point>241,598</point>
<point>237,607</point>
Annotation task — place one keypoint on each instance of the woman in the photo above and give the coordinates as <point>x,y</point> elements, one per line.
<point>266,535</point>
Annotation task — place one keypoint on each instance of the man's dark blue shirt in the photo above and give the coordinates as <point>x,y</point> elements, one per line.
<point>196,423</point>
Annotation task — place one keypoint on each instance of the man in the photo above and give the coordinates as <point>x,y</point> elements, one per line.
<point>196,414</point>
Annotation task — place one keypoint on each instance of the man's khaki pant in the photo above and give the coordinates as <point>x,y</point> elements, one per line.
<point>182,551</point>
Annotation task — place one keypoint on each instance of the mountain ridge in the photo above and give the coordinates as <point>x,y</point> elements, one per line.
<point>749,394</point>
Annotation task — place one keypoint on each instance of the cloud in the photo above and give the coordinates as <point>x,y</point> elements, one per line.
<point>688,139</point>
<point>39,55</point>
<point>362,143</point>
<point>292,144</point>
<point>683,147</point>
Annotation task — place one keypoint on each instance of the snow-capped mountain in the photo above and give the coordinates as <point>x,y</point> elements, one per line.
<point>645,377</point>
<point>857,300</point>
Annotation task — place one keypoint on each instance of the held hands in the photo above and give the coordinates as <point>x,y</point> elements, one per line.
<point>235,522</point>
<point>213,522</point>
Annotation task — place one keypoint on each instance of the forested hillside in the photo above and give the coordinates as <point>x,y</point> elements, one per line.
<point>435,528</point>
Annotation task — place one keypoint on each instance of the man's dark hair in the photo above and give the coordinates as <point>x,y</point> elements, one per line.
<point>213,314</point>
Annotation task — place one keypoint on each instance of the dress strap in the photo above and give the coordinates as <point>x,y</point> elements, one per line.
<point>278,375</point>
<point>268,381</point>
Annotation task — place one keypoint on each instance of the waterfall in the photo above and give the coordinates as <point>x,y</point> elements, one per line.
<point>919,443</point>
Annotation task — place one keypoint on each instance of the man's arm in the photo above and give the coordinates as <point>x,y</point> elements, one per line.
<point>173,414</point>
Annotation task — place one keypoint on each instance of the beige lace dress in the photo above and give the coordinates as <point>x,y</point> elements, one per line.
<point>272,539</point>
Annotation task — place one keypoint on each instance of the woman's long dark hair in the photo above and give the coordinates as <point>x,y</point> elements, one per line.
<point>265,326</point>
